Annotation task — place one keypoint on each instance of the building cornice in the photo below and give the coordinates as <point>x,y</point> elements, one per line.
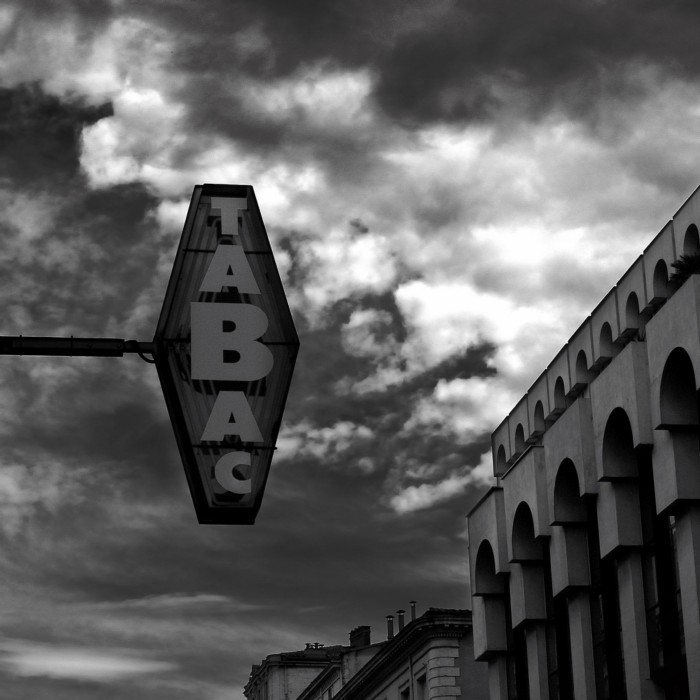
<point>436,623</point>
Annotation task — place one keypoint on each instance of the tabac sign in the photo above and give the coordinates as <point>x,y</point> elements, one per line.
<point>225,348</point>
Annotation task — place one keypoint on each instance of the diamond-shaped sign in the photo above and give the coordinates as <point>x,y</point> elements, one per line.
<point>225,348</point>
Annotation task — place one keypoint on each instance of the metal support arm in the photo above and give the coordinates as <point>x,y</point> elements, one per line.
<point>72,347</point>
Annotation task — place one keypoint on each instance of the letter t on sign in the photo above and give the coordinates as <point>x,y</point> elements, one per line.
<point>229,208</point>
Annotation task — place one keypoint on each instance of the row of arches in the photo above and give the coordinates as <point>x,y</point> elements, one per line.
<point>633,317</point>
<point>590,611</point>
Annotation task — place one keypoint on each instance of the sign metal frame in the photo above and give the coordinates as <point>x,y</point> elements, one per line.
<point>223,215</point>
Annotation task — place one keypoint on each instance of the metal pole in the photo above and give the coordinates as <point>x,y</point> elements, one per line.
<point>72,347</point>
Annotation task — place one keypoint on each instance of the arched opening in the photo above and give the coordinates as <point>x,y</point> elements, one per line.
<point>533,556</point>
<point>527,561</point>
<point>486,581</point>
<point>491,607</point>
<point>501,464</point>
<point>632,319</point>
<point>619,461</point>
<point>679,415</point>
<point>559,397</point>
<point>568,504</point>
<point>689,261</point>
<point>525,547</point>
<point>606,340</point>
<point>660,283</point>
<point>679,405</point>
<point>623,461</point>
<point>519,440</point>
<point>576,516</point>
<point>606,348</point>
<point>582,373</point>
<point>539,420</point>
<point>691,240</point>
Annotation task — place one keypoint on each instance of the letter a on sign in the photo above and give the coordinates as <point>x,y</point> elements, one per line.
<point>231,415</point>
<point>229,268</point>
<point>225,348</point>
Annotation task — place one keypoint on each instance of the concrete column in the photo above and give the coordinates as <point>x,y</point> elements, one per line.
<point>536,642</point>
<point>581,635</point>
<point>498,677</point>
<point>635,648</point>
<point>688,550</point>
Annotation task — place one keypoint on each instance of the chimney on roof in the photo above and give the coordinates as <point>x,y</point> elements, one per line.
<point>360,636</point>
<point>413,610</point>
<point>400,613</point>
<point>389,626</point>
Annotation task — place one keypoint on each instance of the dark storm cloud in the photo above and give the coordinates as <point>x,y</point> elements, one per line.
<point>39,136</point>
<point>90,255</point>
<point>104,426</point>
<point>92,14</point>
<point>465,61</point>
<point>378,464</point>
<point>314,387</point>
<point>91,266</point>
<point>299,32</point>
<point>484,56</point>
<point>358,225</point>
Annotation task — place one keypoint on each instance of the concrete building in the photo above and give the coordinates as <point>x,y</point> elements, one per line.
<point>585,557</point>
<point>429,658</point>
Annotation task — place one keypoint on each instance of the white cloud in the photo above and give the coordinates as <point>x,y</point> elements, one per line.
<point>328,443</point>
<point>364,334</point>
<point>340,264</point>
<point>28,658</point>
<point>317,97</point>
<point>483,472</point>
<point>175,601</point>
<point>69,58</point>
<point>467,408</point>
<point>127,146</point>
<point>412,498</point>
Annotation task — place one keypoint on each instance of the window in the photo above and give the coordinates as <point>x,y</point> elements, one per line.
<point>661,592</point>
<point>421,688</point>
<point>605,617</point>
<point>518,679</point>
<point>558,639</point>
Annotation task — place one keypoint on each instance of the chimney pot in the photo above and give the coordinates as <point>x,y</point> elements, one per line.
<point>361,636</point>
<point>400,613</point>
<point>413,609</point>
<point>389,626</point>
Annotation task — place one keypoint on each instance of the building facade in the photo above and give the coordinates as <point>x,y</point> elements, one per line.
<point>585,556</point>
<point>284,676</point>
<point>430,658</point>
<point>287,675</point>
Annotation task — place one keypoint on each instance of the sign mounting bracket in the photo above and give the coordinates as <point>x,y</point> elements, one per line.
<point>74,347</point>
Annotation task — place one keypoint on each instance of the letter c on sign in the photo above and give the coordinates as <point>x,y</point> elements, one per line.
<point>223,471</point>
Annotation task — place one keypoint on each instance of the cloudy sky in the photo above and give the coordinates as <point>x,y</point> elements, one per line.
<point>450,188</point>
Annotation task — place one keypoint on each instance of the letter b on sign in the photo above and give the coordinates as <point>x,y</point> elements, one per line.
<point>225,345</point>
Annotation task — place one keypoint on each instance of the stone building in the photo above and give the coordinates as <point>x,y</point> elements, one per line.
<point>430,658</point>
<point>285,676</point>
<point>585,556</point>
